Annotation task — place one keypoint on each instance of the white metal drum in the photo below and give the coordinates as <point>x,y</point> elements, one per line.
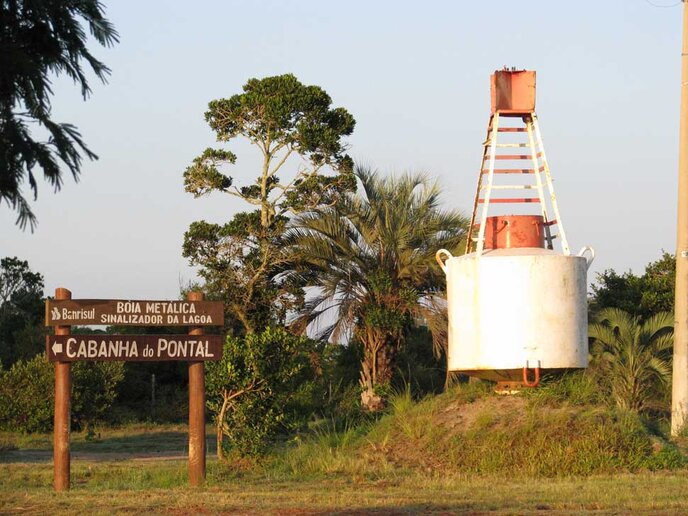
<point>516,308</point>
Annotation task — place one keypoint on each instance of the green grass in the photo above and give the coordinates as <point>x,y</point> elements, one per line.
<point>130,438</point>
<point>467,451</point>
<point>159,488</point>
<point>470,430</point>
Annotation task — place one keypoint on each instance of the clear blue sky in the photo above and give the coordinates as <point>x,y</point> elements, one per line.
<point>416,77</point>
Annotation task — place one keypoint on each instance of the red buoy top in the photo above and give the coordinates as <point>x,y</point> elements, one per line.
<point>509,231</point>
<point>513,92</point>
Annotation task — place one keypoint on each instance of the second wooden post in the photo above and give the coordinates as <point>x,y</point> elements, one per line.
<point>196,411</point>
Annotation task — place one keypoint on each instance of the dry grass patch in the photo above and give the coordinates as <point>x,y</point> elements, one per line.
<point>647,493</point>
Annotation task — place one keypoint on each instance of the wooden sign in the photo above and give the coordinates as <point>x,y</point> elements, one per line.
<point>133,313</point>
<point>195,348</point>
<point>133,348</point>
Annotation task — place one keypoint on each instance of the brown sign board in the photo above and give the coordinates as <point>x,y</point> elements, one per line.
<point>133,348</point>
<point>133,313</point>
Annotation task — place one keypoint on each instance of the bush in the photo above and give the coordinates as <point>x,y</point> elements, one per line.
<point>417,366</point>
<point>27,393</point>
<point>263,386</point>
<point>338,384</point>
<point>94,389</point>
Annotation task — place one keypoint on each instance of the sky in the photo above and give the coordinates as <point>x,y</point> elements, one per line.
<point>415,75</point>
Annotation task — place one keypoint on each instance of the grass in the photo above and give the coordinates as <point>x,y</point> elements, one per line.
<point>159,488</point>
<point>469,430</point>
<point>467,451</point>
<point>131,438</point>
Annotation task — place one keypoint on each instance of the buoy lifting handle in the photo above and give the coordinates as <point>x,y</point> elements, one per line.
<point>438,257</point>
<point>591,253</point>
<point>536,380</point>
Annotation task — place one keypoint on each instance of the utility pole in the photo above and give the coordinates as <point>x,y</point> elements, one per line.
<point>679,390</point>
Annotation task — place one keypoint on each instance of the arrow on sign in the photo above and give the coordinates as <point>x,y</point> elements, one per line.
<point>57,347</point>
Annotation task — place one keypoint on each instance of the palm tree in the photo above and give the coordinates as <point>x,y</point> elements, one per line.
<point>370,261</point>
<point>633,355</point>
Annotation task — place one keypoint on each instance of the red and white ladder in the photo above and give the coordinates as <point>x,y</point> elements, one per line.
<point>505,145</point>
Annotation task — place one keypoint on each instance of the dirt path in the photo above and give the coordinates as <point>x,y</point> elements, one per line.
<point>38,456</point>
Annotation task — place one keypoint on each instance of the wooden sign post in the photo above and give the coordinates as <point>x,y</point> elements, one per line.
<point>196,410</point>
<point>63,391</point>
<point>195,347</point>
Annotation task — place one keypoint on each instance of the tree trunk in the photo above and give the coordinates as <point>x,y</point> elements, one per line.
<point>220,437</point>
<point>265,218</point>
<point>384,364</point>
<point>220,426</point>
<point>370,401</point>
<point>243,316</point>
<point>376,371</point>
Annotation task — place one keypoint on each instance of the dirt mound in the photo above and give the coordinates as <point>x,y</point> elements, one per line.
<point>459,416</point>
<point>522,435</point>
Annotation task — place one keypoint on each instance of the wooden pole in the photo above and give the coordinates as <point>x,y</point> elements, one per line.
<point>196,411</point>
<point>63,389</point>
<point>679,390</point>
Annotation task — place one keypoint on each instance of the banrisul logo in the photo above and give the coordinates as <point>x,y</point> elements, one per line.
<point>55,314</point>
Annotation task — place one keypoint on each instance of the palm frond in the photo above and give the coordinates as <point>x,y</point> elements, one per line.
<point>392,226</point>
<point>634,355</point>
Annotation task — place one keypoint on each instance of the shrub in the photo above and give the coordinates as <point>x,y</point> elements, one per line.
<point>263,385</point>
<point>27,396</point>
<point>27,393</point>
<point>94,389</point>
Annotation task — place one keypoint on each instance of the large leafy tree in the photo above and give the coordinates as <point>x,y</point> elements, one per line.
<point>632,355</point>
<point>21,311</point>
<point>643,295</point>
<point>370,261</point>
<point>299,136</point>
<point>40,38</point>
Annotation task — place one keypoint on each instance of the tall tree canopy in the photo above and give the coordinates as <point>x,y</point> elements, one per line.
<point>300,136</point>
<point>21,311</point>
<point>39,38</point>
<point>370,259</point>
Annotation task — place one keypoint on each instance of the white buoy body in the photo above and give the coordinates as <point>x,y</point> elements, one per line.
<point>515,308</point>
